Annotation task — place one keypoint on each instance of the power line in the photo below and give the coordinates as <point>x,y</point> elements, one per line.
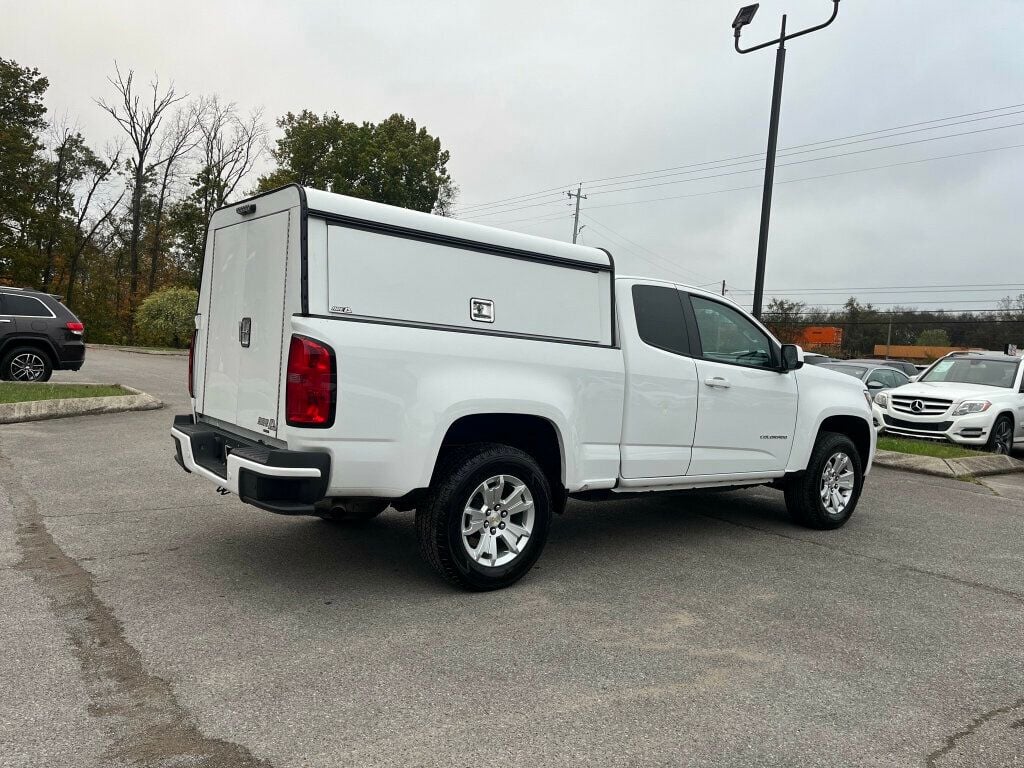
<point>550,191</point>
<point>912,311</point>
<point>823,149</point>
<point>808,178</point>
<point>678,268</point>
<point>810,159</point>
<point>780,165</point>
<point>950,286</point>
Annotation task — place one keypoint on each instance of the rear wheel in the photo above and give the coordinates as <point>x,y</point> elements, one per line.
<point>826,493</point>
<point>1001,439</point>
<point>486,518</point>
<point>26,364</point>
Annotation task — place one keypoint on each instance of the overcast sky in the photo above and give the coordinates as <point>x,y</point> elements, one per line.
<point>530,96</point>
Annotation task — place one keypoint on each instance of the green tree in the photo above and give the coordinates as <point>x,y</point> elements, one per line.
<point>165,318</point>
<point>22,120</point>
<point>389,162</point>
<point>784,317</point>
<point>933,337</point>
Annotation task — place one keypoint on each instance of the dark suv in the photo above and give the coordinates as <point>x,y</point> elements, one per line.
<point>38,335</point>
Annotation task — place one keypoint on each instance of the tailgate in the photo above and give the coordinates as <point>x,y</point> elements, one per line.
<point>244,325</point>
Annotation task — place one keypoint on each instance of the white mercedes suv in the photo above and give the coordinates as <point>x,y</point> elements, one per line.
<point>971,398</point>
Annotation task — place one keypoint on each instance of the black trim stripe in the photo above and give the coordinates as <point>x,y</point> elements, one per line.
<point>615,322</point>
<point>304,249</point>
<point>392,230</point>
<point>461,329</point>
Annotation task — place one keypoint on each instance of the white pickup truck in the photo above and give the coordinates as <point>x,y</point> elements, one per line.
<point>351,356</point>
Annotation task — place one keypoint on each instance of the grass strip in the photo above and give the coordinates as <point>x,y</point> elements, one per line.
<point>925,448</point>
<point>14,392</point>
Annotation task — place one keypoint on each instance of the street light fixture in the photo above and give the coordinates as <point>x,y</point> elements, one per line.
<point>744,17</point>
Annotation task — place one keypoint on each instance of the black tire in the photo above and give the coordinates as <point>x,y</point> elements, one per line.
<point>804,489</point>
<point>1001,439</point>
<point>439,518</point>
<point>13,365</point>
<point>354,512</point>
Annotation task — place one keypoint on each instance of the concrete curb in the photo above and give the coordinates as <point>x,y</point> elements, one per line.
<point>141,350</point>
<point>976,466</point>
<point>37,410</point>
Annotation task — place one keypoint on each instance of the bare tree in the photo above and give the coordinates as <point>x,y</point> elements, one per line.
<point>174,146</point>
<point>93,209</point>
<point>229,147</point>
<point>140,119</point>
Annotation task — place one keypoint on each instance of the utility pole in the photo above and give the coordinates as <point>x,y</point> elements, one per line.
<point>576,218</point>
<point>723,287</point>
<point>888,341</point>
<point>744,17</point>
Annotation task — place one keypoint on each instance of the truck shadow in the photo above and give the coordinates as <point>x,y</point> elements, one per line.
<point>589,541</point>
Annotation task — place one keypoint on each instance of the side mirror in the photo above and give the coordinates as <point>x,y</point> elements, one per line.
<point>792,357</point>
<point>875,385</point>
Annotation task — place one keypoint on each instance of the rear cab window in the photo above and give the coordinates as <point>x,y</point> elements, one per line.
<point>660,320</point>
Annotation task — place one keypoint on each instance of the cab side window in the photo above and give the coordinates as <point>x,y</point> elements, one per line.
<point>726,336</point>
<point>659,318</point>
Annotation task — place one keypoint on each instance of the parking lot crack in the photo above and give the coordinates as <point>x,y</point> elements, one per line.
<point>955,740</point>
<point>1016,596</point>
<point>145,722</point>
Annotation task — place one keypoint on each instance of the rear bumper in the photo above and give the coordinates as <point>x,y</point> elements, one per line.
<point>70,356</point>
<point>274,479</point>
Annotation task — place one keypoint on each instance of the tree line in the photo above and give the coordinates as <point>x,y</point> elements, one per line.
<point>865,326</point>
<point>106,227</point>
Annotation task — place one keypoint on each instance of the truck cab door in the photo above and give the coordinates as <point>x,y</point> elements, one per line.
<point>746,412</point>
<point>660,411</point>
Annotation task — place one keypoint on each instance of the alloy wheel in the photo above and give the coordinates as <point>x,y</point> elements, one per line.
<point>28,366</point>
<point>837,480</point>
<point>497,520</point>
<point>1002,437</point>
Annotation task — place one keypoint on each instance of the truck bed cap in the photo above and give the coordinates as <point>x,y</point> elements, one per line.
<point>342,206</point>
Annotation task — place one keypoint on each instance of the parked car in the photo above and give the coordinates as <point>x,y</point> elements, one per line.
<point>971,398</point>
<point>349,356</point>
<point>876,377</point>
<point>813,358</point>
<point>38,335</point>
<point>909,369</point>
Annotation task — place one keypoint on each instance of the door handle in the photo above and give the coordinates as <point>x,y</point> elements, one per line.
<point>717,381</point>
<point>2,320</point>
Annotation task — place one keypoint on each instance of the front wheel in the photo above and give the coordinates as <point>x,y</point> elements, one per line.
<point>486,517</point>
<point>1001,440</point>
<point>826,493</point>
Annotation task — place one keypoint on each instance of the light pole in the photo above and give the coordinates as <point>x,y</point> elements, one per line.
<point>744,17</point>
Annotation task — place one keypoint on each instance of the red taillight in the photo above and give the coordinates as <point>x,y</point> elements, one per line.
<point>310,391</point>
<point>76,328</point>
<point>191,359</point>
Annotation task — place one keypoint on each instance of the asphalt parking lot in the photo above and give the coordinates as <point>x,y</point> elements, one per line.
<point>147,621</point>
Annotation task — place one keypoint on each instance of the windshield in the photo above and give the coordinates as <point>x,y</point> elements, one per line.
<point>988,373</point>
<point>850,370</point>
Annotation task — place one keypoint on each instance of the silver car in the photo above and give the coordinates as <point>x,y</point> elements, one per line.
<point>876,377</point>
